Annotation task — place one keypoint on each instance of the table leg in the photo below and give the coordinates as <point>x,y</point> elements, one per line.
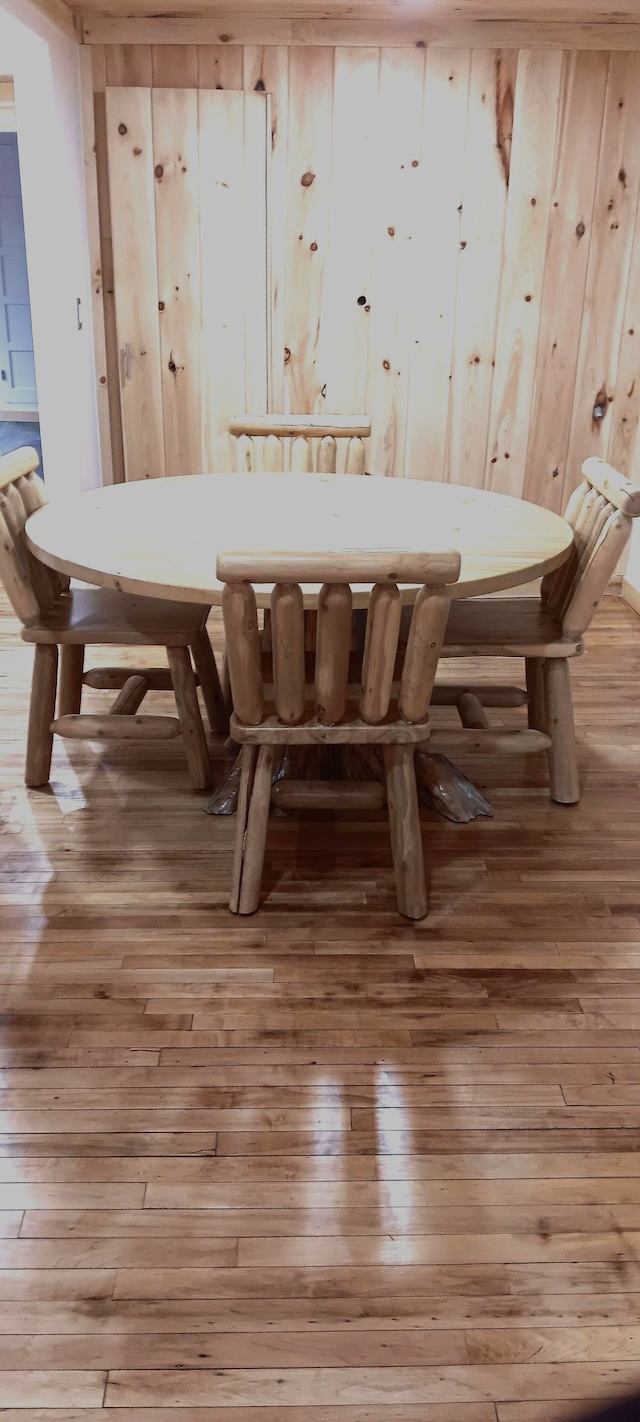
<point>441,785</point>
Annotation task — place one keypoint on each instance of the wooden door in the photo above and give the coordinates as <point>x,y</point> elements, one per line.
<point>17,367</point>
<point>188,186</point>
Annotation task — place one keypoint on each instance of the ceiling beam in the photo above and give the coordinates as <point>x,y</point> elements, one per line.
<point>61,16</point>
<point>444,30</point>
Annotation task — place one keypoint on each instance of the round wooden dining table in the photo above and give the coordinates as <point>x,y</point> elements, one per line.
<point>161,537</point>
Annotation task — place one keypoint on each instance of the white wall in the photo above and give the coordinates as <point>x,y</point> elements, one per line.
<point>632,571</point>
<point>46,74</point>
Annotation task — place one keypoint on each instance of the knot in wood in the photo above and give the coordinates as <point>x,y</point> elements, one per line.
<point>159,171</point>
<point>307,179</point>
<point>122,128</point>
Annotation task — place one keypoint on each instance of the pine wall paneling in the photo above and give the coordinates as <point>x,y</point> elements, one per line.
<point>484,203</point>
<point>187,181</point>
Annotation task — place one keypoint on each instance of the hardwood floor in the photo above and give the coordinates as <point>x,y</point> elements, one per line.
<point>320,1165</point>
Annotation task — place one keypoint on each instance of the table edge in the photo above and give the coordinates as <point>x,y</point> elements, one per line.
<point>212,597</point>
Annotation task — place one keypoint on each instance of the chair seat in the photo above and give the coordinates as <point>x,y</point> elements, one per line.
<point>505,626</point>
<point>92,616</point>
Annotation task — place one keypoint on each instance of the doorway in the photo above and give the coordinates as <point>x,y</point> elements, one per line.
<point>18,394</point>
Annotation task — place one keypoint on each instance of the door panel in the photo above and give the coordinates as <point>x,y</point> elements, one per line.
<point>175,133</point>
<point>187,173</point>
<point>17,367</point>
<point>136,279</point>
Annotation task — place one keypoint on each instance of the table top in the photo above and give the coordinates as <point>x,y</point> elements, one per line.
<point>161,537</point>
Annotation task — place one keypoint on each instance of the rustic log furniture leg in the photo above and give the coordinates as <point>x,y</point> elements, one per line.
<point>185,691</point>
<point>70,683</point>
<point>404,824</point>
<point>444,789</point>
<point>245,765</point>
<point>563,762</point>
<point>207,670</point>
<point>256,832</point>
<point>534,668</point>
<point>42,710</point>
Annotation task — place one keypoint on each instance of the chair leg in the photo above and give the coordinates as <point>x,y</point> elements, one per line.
<point>226,686</point>
<point>563,762</point>
<point>250,843</point>
<point>70,688</point>
<point>247,767</point>
<point>186,694</point>
<point>404,824</point>
<point>534,667</point>
<point>207,670</point>
<point>42,710</point>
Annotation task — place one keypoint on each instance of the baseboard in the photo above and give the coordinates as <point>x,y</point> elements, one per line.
<point>631,596</point>
<point>23,417</point>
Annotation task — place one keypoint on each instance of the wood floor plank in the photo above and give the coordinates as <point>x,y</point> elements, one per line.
<point>333,1386</point>
<point>379,1220</point>
<point>243,1351</point>
<point>439,1412</point>
<point>57,1388</point>
<point>380,1280</point>
<point>391,1313</point>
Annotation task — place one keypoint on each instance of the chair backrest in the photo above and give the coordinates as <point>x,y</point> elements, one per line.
<point>31,587</point>
<point>336,572</point>
<point>600,511</point>
<point>300,444</point>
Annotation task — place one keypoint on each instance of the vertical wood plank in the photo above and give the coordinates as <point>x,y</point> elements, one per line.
<point>532,165</point>
<point>232,195</point>
<point>346,296</point>
<point>129,141</point>
<point>253,240</point>
<point>220,66</point>
<point>221,141</point>
<point>174,66</point>
<point>608,268</point>
<point>309,166</point>
<point>392,296</point>
<point>129,66</point>
<point>625,410</point>
<point>99,68</point>
<point>266,70</point>
<point>95,264</point>
<point>484,203</point>
<point>435,260</point>
<point>175,166</point>
<point>569,236</point>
